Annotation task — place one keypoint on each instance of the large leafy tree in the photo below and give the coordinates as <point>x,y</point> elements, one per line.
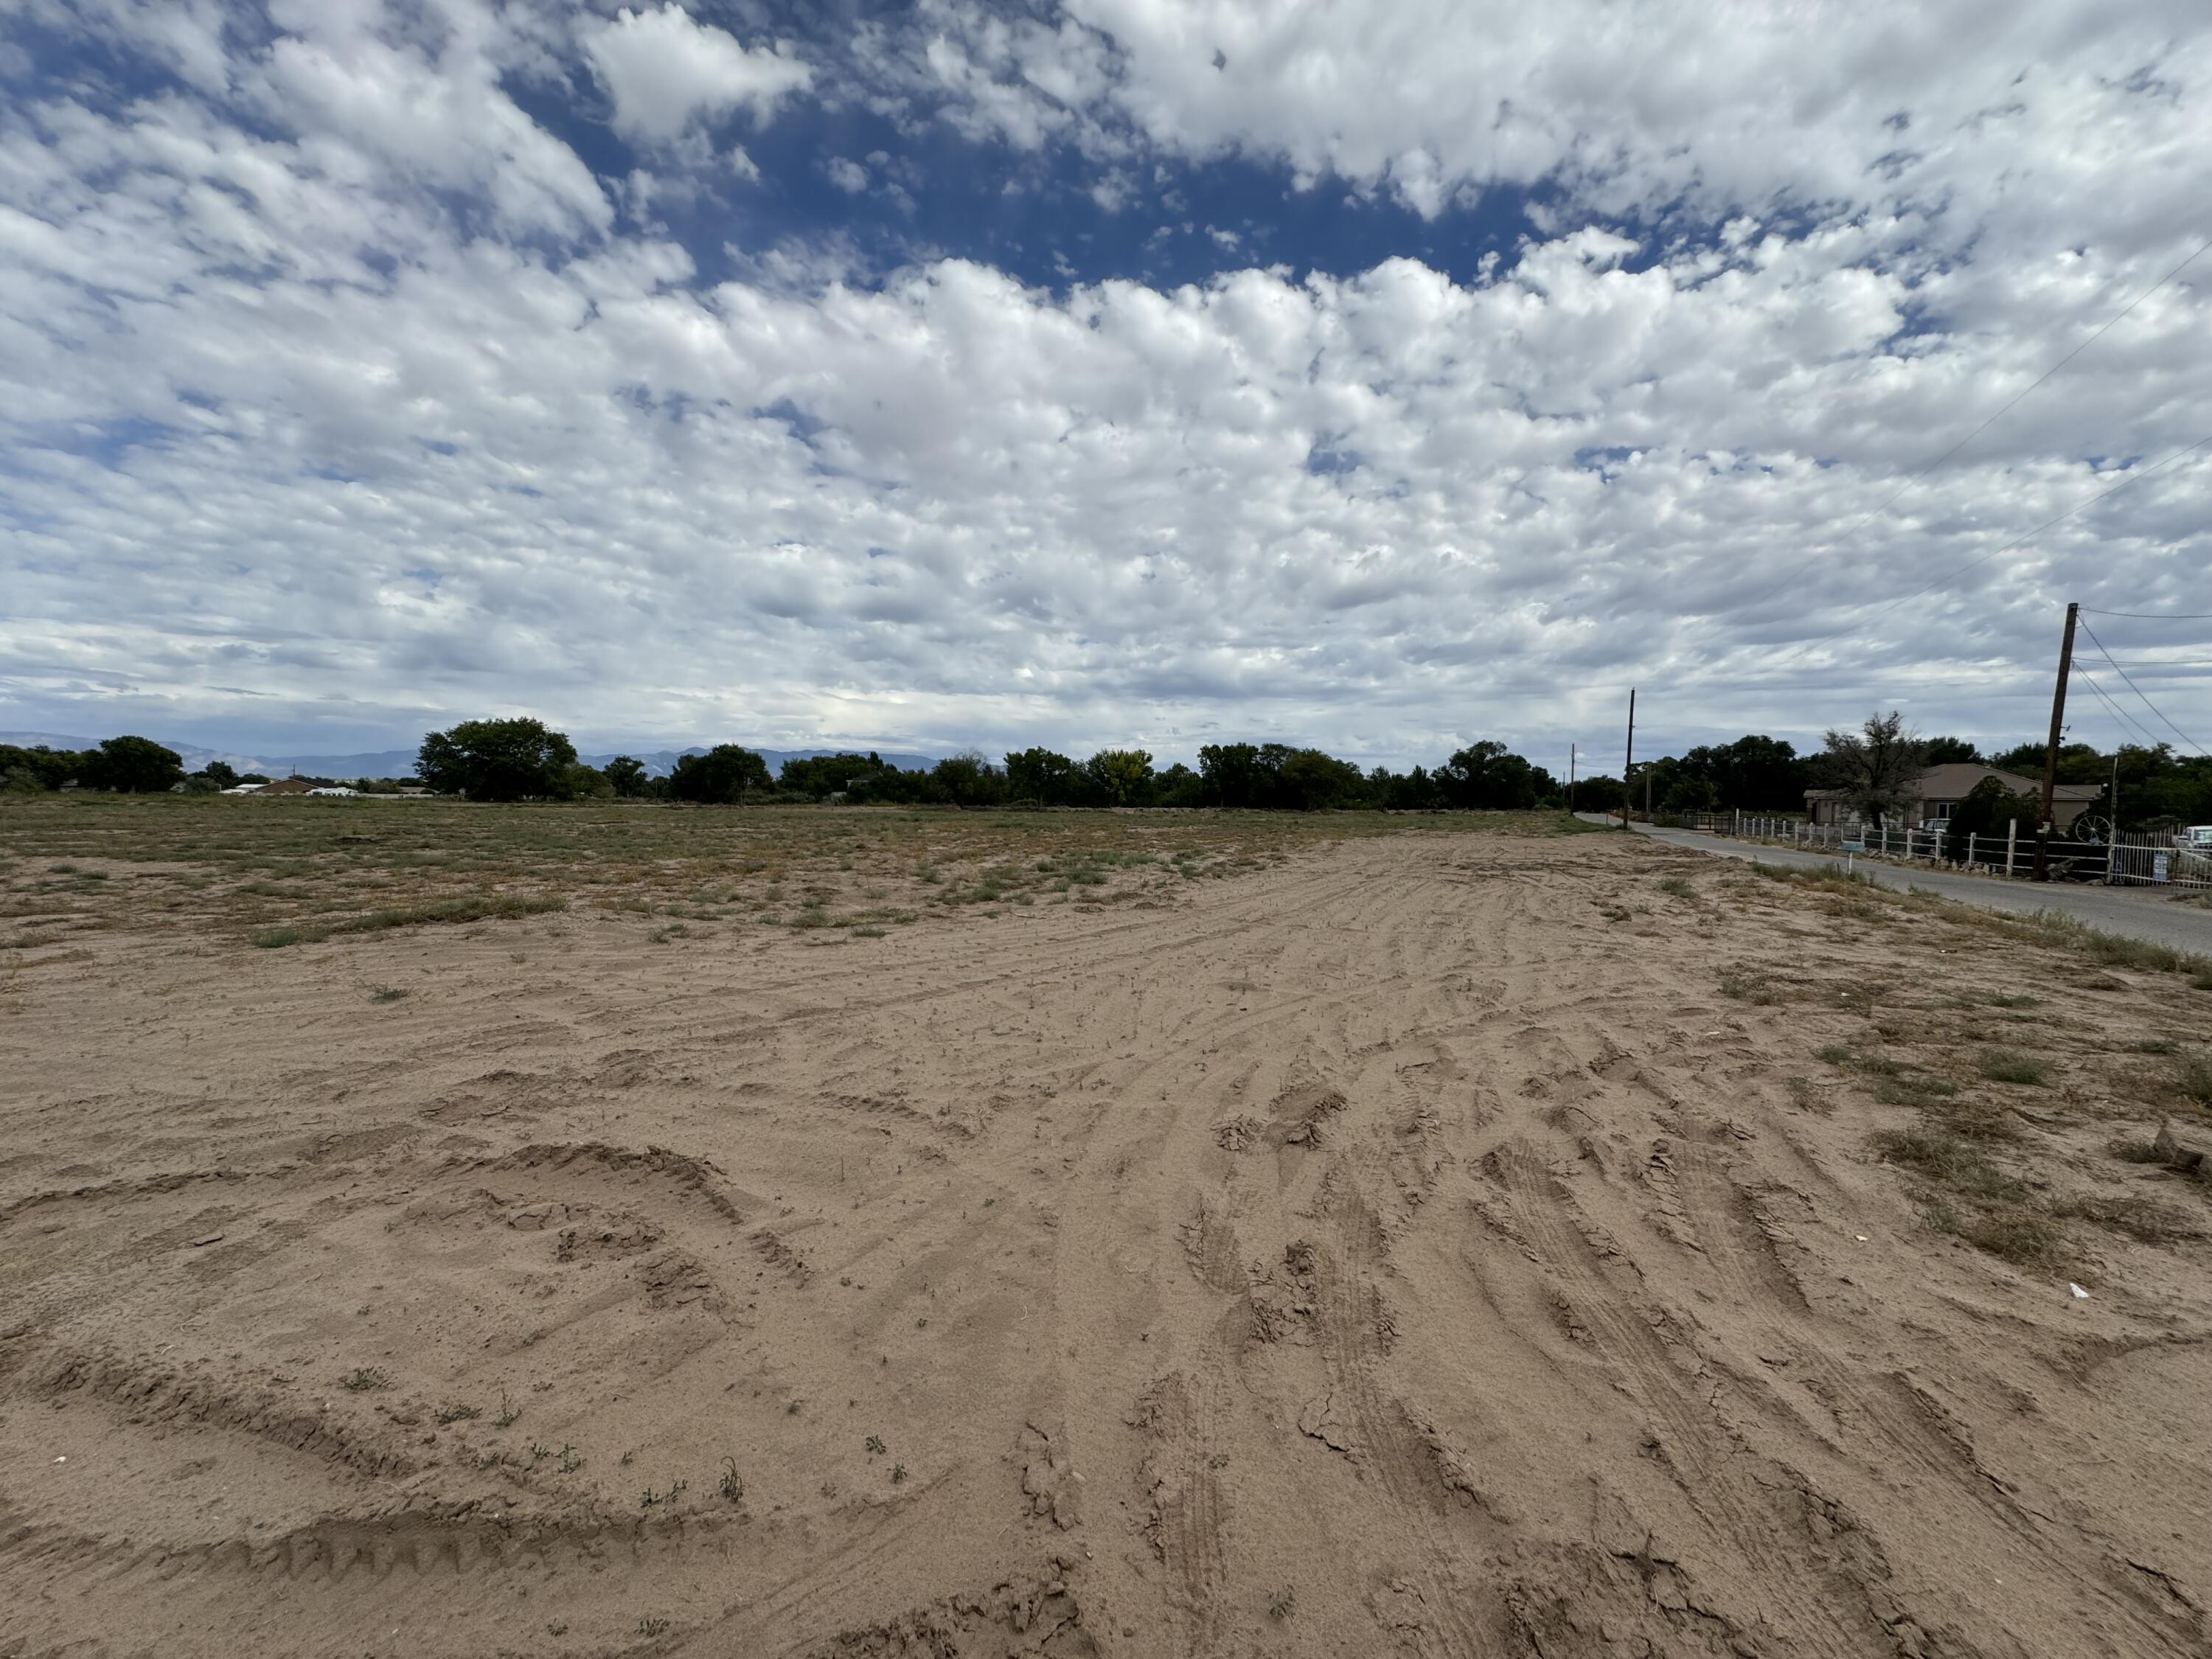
<point>38,767</point>
<point>1041,775</point>
<point>135,766</point>
<point>498,760</point>
<point>1875,765</point>
<point>723,776</point>
<point>1489,776</point>
<point>823,776</point>
<point>1123,776</point>
<point>626,773</point>
<point>1231,774</point>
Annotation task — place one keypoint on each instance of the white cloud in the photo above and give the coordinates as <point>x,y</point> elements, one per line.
<point>282,429</point>
<point>665,72</point>
<point>847,175</point>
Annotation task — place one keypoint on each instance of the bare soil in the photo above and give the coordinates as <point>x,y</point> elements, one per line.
<point>1450,1244</point>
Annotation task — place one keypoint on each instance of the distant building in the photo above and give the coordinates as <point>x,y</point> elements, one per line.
<point>286,787</point>
<point>1941,788</point>
<point>333,789</point>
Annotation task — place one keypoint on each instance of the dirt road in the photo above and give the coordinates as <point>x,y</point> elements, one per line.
<point>1409,1250</point>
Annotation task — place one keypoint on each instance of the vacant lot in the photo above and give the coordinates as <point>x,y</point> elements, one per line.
<point>428,1229</point>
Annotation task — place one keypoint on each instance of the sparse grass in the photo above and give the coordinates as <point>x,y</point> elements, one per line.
<point>1678,886</point>
<point>459,1411</point>
<point>2154,1045</point>
<point>1284,1603</point>
<point>293,872</point>
<point>731,1486</point>
<point>1748,987</point>
<point>873,1445</point>
<point>2009,1066</point>
<point>2194,1081</point>
<point>387,993</point>
<point>363,1378</point>
<point>1945,1157</point>
<point>477,907</point>
<point>508,1412</point>
<point>653,1626</point>
<point>898,1474</point>
<point>2145,1220</point>
<point>1804,1096</point>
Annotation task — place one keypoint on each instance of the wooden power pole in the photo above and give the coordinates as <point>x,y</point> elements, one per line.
<point>2050,751</point>
<point>1628,766</point>
<point>1570,780</point>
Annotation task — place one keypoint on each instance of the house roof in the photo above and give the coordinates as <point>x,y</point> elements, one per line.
<point>1955,780</point>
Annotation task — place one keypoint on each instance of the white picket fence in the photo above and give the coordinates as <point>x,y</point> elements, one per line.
<point>2131,859</point>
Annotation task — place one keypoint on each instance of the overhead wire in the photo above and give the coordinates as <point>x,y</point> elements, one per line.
<point>2118,713</point>
<point>2018,541</point>
<point>2138,690</point>
<point>1889,500</point>
<point>2153,616</point>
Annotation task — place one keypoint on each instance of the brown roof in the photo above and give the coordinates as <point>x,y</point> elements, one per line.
<point>1955,780</point>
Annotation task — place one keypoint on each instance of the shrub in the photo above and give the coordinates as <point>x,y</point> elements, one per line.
<point>2007,1065</point>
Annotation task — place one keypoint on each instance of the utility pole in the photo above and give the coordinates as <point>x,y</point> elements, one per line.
<point>2051,752</point>
<point>1570,780</point>
<point>1628,765</point>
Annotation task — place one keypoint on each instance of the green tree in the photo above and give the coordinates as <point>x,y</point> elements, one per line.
<point>1124,776</point>
<point>1231,773</point>
<point>1489,777</point>
<point>1178,787</point>
<point>1040,776</point>
<point>1875,765</point>
<point>498,760</point>
<point>1983,814</point>
<point>969,779</point>
<point>1942,751</point>
<point>626,773</point>
<point>133,766</point>
<point>721,777</point>
<point>821,776</point>
<point>220,774</point>
<point>44,767</point>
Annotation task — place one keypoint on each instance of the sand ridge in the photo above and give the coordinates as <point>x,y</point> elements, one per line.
<point>1390,1252</point>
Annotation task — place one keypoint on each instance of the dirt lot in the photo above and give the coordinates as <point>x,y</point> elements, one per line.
<point>839,1233</point>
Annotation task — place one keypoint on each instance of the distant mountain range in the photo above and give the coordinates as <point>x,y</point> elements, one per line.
<point>400,762</point>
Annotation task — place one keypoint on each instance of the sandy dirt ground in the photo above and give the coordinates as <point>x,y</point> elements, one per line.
<point>1436,1245</point>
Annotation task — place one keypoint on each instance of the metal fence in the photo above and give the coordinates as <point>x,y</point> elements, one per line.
<point>2130,859</point>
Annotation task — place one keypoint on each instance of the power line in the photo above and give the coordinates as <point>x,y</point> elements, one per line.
<point>2118,713</point>
<point>2153,616</point>
<point>2138,690</point>
<point>2019,541</point>
<point>1890,500</point>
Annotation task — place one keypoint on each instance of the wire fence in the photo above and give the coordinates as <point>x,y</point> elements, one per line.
<point>2132,858</point>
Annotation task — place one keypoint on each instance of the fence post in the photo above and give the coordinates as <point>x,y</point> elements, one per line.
<point>1971,839</point>
<point>2012,838</point>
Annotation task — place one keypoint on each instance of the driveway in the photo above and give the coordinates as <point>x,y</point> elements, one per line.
<point>2137,912</point>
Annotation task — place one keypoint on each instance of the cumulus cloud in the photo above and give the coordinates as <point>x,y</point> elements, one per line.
<point>665,70</point>
<point>285,424</point>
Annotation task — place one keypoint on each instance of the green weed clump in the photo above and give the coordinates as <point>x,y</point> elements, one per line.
<point>2009,1066</point>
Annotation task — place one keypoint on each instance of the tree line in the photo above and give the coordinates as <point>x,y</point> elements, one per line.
<point>519,759</point>
<point>1874,764</point>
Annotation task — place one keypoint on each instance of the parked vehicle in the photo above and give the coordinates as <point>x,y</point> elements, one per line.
<point>2197,838</point>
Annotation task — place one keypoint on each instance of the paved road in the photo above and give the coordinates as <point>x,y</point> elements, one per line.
<point>2138,912</point>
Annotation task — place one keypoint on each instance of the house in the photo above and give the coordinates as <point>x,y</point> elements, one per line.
<point>1941,788</point>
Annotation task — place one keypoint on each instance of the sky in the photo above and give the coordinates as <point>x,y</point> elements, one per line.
<point>1377,375</point>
